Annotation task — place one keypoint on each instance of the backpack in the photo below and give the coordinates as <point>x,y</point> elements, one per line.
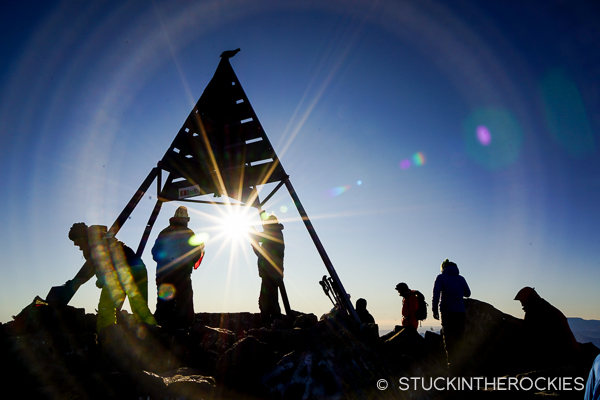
<point>421,313</point>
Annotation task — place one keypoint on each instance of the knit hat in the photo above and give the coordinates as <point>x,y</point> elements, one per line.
<point>79,230</point>
<point>272,223</point>
<point>182,212</point>
<point>447,263</point>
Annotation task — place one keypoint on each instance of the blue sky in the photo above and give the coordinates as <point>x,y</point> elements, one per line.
<point>472,129</point>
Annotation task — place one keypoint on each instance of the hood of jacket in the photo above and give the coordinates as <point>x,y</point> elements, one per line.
<point>178,221</point>
<point>451,270</point>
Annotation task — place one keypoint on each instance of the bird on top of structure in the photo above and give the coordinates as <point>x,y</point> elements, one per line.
<point>229,53</point>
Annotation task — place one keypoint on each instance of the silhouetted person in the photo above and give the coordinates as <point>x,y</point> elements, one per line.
<point>448,292</point>
<point>364,315</point>
<point>547,331</point>
<point>269,247</point>
<point>118,270</point>
<point>592,387</point>
<point>410,305</point>
<point>175,254</point>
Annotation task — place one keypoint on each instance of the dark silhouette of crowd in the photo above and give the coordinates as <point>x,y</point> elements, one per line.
<point>120,273</point>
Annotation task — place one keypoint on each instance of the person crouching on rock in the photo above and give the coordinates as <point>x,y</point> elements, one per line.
<point>269,247</point>
<point>448,292</point>
<point>119,273</point>
<point>362,312</point>
<point>548,336</point>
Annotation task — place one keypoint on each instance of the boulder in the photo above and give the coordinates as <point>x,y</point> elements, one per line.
<point>406,342</point>
<point>183,383</point>
<point>242,366</point>
<point>493,342</point>
<point>234,322</point>
<point>216,340</point>
<point>305,321</point>
<point>334,365</point>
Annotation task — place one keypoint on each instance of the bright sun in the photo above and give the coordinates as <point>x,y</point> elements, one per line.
<point>237,225</point>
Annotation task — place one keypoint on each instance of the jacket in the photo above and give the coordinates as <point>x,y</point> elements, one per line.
<point>410,305</point>
<point>270,256</point>
<point>448,291</point>
<point>173,253</point>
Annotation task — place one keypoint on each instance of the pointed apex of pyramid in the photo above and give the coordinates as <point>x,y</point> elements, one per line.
<point>229,53</point>
<point>222,148</point>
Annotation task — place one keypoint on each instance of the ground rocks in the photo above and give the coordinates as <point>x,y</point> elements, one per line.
<point>54,353</point>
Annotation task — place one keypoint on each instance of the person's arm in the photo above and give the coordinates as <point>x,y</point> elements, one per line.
<point>84,274</point>
<point>255,240</point>
<point>405,312</point>
<point>437,288</point>
<point>157,249</point>
<point>467,290</point>
<point>414,306</point>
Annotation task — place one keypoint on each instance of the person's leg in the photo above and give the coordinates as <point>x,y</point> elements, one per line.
<point>264,303</point>
<point>107,309</point>
<point>165,305</point>
<point>184,305</point>
<point>453,324</point>
<point>274,300</point>
<point>269,301</point>
<point>138,298</point>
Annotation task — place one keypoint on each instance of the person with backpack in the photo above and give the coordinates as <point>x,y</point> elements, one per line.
<point>414,308</point>
<point>448,292</point>
<point>119,272</point>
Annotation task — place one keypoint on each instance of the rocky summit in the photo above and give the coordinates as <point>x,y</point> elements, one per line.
<point>53,352</point>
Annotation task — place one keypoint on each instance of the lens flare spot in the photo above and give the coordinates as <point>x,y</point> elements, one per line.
<point>166,291</point>
<point>405,164</point>
<point>566,114</point>
<point>505,149</point>
<point>283,209</point>
<point>199,239</point>
<point>418,159</point>
<point>359,183</point>
<point>483,135</point>
<point>336,191</point>
<point>264,215</point>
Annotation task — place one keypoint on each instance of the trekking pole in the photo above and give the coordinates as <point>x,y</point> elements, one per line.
<point>326,288</point>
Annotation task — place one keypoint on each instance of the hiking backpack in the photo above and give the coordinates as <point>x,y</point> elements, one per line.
<point>421,313</point>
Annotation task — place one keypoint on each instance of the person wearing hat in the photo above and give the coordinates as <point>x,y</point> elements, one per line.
<point>548,334</point>
<point>175,257</point>
<point>410,305</point>
<point>448,292</point>
<point>269,248</point>
<point>119,271</point>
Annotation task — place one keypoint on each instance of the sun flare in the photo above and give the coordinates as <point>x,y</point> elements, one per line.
<point>237,225</point>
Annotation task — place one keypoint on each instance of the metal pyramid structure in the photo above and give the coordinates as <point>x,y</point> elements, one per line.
<point>222,150</point>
